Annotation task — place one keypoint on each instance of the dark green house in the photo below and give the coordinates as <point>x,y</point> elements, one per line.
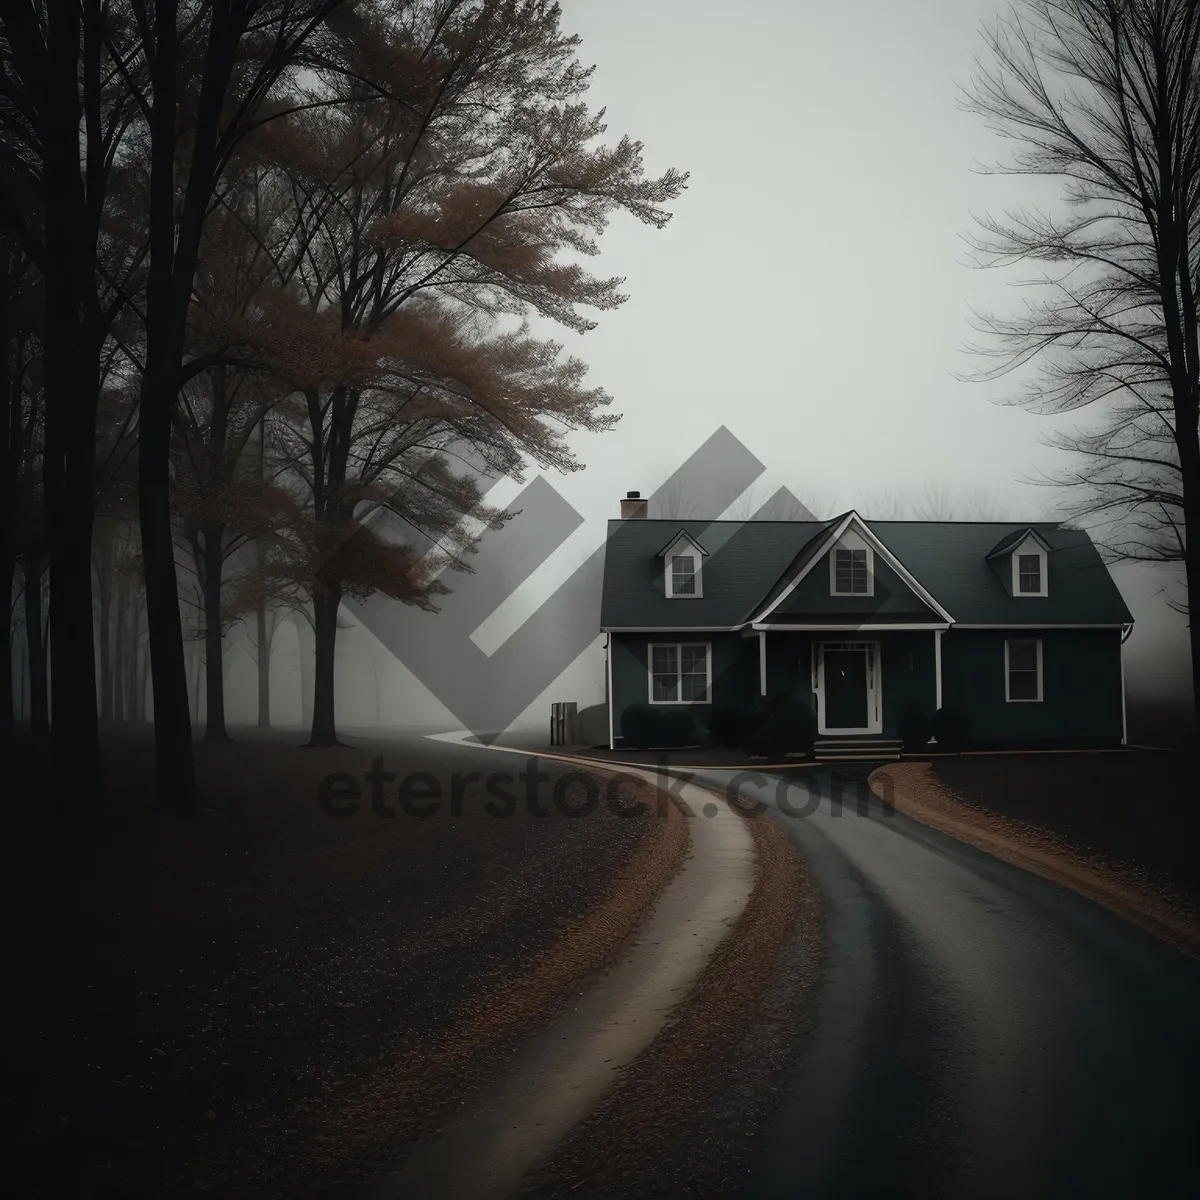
<point>1019,627</point>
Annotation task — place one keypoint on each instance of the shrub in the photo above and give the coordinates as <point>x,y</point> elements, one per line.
<point>951,727</point>
<point>915,725</point>
<point>727,726</point>
<point>782,725</point>
<point>798,723</point>
<point>642,726</point>
<point>677,727</point>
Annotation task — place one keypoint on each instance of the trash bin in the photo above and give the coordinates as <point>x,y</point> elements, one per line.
<point>564,723</point>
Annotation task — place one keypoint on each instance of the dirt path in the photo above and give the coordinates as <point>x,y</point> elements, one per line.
<point>687,1116</point>
<point>564,1070</point>
<point>912,788</point>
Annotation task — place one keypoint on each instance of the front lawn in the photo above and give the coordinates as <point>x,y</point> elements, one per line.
<point>1137,809</point>
<point>264,997</point>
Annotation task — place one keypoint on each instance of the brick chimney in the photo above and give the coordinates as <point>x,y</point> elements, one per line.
<point>633,507</point>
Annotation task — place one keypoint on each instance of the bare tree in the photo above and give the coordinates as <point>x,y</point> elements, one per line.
<point>934,502</point>
<point>1104,95</point>
<point>757,504</point>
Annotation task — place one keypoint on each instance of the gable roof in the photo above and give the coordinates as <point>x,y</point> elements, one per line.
<point>681,536</point>
<point>1011,541</point>
<point>744,557</point>
<point>852,521</point>
<point>750,563</point>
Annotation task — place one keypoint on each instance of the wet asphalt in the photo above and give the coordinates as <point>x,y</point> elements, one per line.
<point>979,1031</point>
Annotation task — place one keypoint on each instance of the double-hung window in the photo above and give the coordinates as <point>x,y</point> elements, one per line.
<point>1029,573</point>
<point>851,572</point>
<point>683,575</point>
<point>1022,669</point>
<point>680,672</point>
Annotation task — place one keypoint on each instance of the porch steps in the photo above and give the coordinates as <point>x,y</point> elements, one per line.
<point>853,749</point>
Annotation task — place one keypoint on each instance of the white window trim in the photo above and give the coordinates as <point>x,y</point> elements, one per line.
<point>678,647</point>
<point>697,578</point>
<point>1008,697</point>
<point>683,544</point>
<point>1029,548</point>
<point>833,571</point>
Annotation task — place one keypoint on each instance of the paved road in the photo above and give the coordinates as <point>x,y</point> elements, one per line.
<point>980,1032</point>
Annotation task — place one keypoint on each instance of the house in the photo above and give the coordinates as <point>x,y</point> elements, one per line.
<point>1019,626</point>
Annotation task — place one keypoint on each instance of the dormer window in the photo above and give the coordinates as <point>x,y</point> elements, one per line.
<point>683,574</point>
<point>1029,573</point>
<point>1029,568</point>
<point>683,562</point>
<point>851,567</point>
<point>1026,550</point>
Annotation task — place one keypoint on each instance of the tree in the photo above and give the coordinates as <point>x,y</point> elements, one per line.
<point>68,106</point>
<point>163,94</point>
<point>459,181</point>
<point>1104,95</point>
<point>934,502</point>
<point>18,352</point>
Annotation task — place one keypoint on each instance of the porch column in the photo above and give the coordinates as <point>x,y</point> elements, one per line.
<point>937,668</point>
<point>762,662</point>
<point>608,692</point>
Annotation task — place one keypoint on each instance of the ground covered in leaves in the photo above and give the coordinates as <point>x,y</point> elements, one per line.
<point>266,1000</point>
<point>1118,828</point>
<point>686,1117</point>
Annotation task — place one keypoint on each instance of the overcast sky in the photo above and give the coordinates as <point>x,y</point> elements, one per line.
<point>810,292</point>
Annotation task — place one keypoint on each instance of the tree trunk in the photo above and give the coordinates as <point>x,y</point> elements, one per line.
<point>260,613</point>
<point>144,687</point>
<point>135,705</point>
<point>214,661</point>
<point>104,584</point>
<point>9,476</point>
<point>325,612</point>
<point>1189,462</point>
<point>304,654</point>
<point>71,344</point>
<point>39,713</point>
<point>8,570</point>
<point>173,240</point>
<point>264,668</point>
<point>175,780</point>
<point>118,671</point>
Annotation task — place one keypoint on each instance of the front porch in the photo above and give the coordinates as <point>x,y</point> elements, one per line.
<point>860,680</point>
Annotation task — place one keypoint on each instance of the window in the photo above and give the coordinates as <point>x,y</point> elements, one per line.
<point>683,567</point>
<point>683,575</point>
<point>851,572</point>
<point>680,672</point>
<point>1029,563</point>
<point>1029,573</point>
<point>1023,670</point>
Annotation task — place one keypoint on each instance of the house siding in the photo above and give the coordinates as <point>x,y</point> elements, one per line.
<point>734,670</point>
<point>1081,678</point>
<point>1081,685</point>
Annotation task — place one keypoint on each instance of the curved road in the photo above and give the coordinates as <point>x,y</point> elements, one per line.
<point>980,1032</point>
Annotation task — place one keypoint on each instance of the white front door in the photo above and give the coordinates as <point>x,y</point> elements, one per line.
<point>846,679</point>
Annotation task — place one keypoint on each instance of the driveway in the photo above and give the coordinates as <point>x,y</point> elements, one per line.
<point>980,1032</point>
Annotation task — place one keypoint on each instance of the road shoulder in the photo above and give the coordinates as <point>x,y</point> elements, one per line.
<point>914,790</point>
<point>686,1117</point>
